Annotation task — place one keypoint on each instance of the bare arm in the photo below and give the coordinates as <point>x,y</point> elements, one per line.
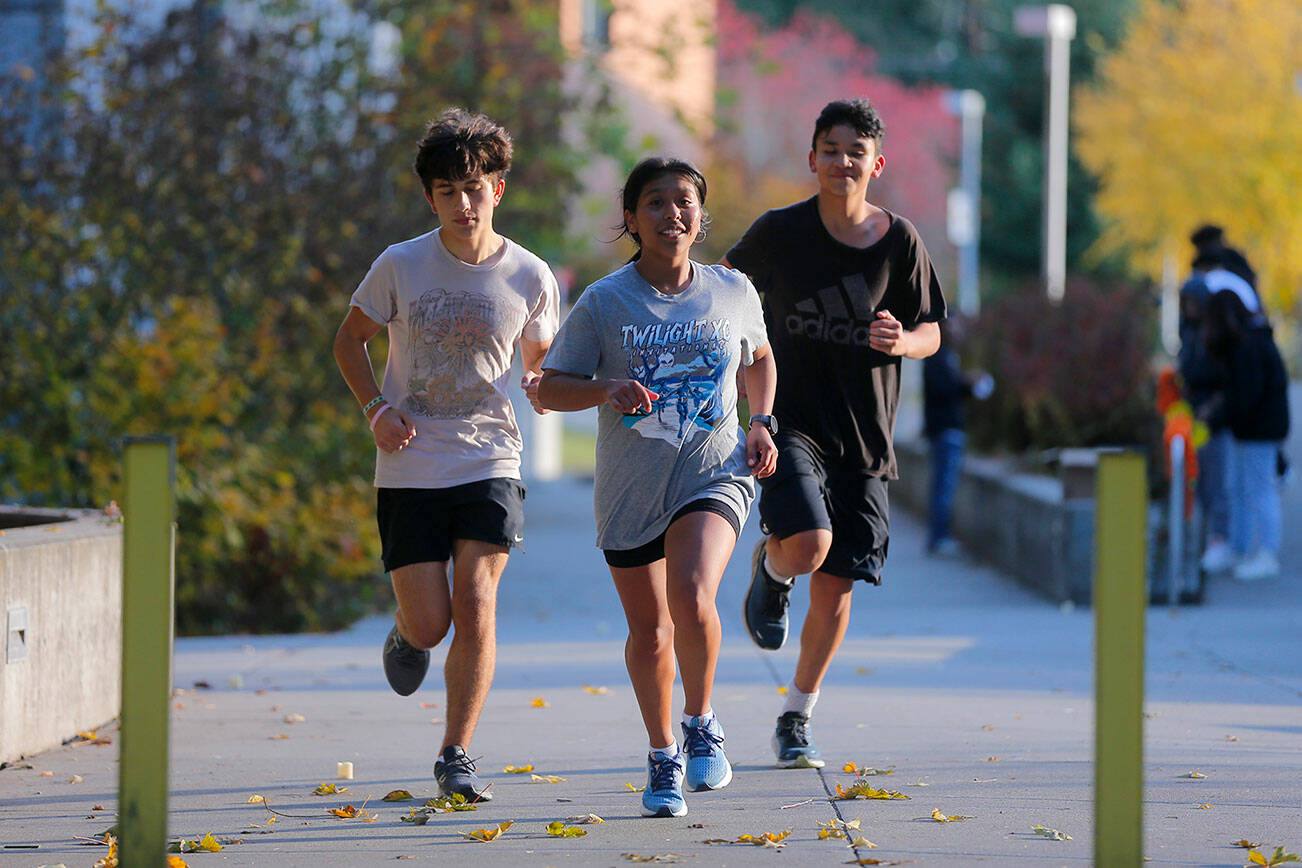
<point>761,377</point>
<point>560,391</point>
<point>532,354</point>
<point>888,335</point>
<point>393,431</point>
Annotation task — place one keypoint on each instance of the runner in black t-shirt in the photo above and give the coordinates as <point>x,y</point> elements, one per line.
<point>848,290</point>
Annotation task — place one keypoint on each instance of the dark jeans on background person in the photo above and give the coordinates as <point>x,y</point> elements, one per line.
<point>946,465</point>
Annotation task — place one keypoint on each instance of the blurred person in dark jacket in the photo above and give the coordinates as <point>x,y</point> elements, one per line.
<point>946,388</point>
<point>1253,405</point>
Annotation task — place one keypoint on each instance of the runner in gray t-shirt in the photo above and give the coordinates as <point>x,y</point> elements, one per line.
<point>657,346</point>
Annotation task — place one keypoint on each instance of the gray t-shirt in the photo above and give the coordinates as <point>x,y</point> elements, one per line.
<point>686,348</point>
<point>453,328</point>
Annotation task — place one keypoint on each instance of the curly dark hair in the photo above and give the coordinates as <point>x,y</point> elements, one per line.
<point>860,114</point>
<point>459,144</point>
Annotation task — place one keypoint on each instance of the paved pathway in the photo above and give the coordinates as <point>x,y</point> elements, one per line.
<point>975,692</point>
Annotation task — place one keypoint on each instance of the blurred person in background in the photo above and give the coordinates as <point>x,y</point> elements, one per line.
<point>946,388</point>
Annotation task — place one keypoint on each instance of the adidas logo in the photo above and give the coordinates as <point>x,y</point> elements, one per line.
<point>827,317</point>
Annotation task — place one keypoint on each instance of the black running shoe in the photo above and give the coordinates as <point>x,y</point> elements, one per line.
<point>792,744</point>
<point>766,604</point>
<point>455,773</point>
<point>405,665</point>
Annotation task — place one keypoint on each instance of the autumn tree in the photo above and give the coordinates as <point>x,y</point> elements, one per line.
<point>179,251</point>
<point>1196,118</point>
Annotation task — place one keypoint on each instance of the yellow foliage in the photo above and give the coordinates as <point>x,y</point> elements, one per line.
<point>1195,118</point>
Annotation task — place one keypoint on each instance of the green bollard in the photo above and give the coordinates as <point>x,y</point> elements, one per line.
<point>1119,608</point>
<point>147,582</point>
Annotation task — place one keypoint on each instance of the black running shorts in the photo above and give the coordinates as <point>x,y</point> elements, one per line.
<point>649,553</point>
<point>803,493</point>
<point>418,525</point>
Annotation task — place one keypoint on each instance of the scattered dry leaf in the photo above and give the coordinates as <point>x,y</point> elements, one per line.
<point>782,691</point>
<point>207,844</point>
<point>397,796</point>
<point>450,804</point>
<point>596,691</point>
<point>256,799</point>
<point>558,829</point>
<point>1231,738</point>
<point>350,812</point>
<point>1245,844</point>
<point>539,702</point>
<point>295,718</point>
<point>546,779</point>
<point>329,790</point>
<point>941,818</point>
<point>771,840</point>
<point>1196,775</point>
<point>1051,834</point>
<point>661,857</point>
<point>1279,857</point>
<point>586,818</point>
<point>517,770</point>
<point>76,779</point>
<point>486,835</point>
<point>862,789</point>
<point>865,772</point>
<point>634,789</point>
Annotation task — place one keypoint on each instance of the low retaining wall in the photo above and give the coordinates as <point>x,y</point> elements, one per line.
<point>61,608</point>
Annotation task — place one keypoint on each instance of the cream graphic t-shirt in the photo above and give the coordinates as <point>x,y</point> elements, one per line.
<point>453,328</point>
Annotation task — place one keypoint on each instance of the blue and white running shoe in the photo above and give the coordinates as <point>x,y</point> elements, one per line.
<point>663,796</point>
<point>707,767</point>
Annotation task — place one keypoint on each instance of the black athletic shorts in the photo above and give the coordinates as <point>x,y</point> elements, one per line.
<point>805,494</point>
<point>418,525</point>
<point>649,553</point>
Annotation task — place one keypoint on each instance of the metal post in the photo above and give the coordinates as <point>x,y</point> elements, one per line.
<point>1175,524</point>
<point>965,201</point>
<point>1057,23</point>
<point>1119,605</point>
<point>147,587</point>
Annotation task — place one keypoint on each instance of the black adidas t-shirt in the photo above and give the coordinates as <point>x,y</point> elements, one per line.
<point>820,296</point>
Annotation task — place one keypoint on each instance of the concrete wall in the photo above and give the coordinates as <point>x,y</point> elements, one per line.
<point>62,673</point>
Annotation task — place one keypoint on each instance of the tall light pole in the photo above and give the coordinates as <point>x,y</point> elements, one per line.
<point>964,217</point>
<point>1056,23</point>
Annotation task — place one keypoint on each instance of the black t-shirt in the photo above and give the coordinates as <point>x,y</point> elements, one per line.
<point>820,296</point>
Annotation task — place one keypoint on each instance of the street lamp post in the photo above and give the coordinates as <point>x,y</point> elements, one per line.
<point>1057,24</point>
<point>965,201</point>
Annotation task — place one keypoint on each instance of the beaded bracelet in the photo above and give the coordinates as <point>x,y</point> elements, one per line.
<point>378,399</point>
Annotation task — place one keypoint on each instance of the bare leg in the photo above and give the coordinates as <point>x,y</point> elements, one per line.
<point>825,625</point>
<point>468,671</point>
<point>649,651</point>
<point>424,603</point>
<point>799,554</point>
<point>697,548</point>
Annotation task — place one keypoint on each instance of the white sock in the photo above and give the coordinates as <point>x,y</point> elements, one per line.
<point>701,719</point>
<point>797,701</point>
<point>666,752</point>
<point>781,580</point>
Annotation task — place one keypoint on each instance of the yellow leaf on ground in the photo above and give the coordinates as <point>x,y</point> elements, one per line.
<point>861,789</point>
<point>866,771</point>
<point>255,799</point>
<point>772,840</point>
<point>861,841</point>
<point>517,770</point>
<point>586,818</point>
<point>941,818</point>
<point>177,862</point>
<point>546,779</point>
<point>558,829</point>
<point>782,691</point>
<point>1051,834</point>
<point>539,702</point>
<point>596,691</point>
<point>329,790</point>
<point>1245,844</point>
<point>397,796</point>
<point>1196,775</point>
<point>449,804</point>
<point>351,812</point>
<point>633,789</point>
<point>209,844</point>
<point>486,835</point>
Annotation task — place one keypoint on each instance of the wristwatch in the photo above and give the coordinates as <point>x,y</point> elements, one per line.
<point>768,421</point>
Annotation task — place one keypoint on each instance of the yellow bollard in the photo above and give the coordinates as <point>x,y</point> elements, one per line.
<point>1119,607</point>
<point>147,585</point>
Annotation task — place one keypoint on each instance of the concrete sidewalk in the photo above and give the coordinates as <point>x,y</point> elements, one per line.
<point>975,693</point>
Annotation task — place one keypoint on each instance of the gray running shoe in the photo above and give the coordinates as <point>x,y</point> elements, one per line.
<point>455,773</point>
<point>405,665</point>
<point>792,744</point>
<point>765,610</point>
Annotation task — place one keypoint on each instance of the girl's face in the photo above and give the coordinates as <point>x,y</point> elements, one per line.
<point>668,217</point>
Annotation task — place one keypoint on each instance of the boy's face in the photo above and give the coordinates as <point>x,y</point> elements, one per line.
<point>465,207</point>
<point>845,162</point>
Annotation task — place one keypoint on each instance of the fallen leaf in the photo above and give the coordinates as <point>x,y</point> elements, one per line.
<point>350,812</point>
<point>429,705</point>
<point>329,790</point>
<point>539,702</point>
<point>1051,834</point>
<point>1196,775</point>
<point>76,779</point>
<point>558,829</point>
<point>545,779</point>
<point>782,691</point>
<point>992,759</point>
<point>417,817</point>
<point>861,789</point>
<point>449,804</point>
<point>861,841</point>
<point>397,796</point>
<point>177,862</point>
<point>486,835</point>
<point>98,808</point>
<point>1204,807</point>
<point>921,784</point>
<point>633,788</point>
<point>1231,738</point>
<point>91,737</point>
<point>772,840</point>
<point>989,727</point>
<point>255,799</point>
<point>1245,844</point>
<point>662,857</point>
<point>586,818</point>
<point>279,737</point>
<point>47,774</point>
<point>596,691</point>
<point>865,772</point>
<point>295,718</point>
<point>517,770</point>
<point>941,818</point>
